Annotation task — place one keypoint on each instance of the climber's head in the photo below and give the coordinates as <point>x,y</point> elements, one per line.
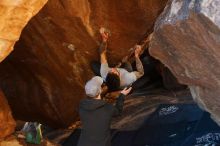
<point>113,79</point>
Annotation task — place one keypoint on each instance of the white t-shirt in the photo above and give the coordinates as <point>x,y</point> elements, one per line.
<point>126,78</point>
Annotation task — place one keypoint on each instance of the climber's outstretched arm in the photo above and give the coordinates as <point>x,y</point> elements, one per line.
<point>140,69</point>
<point>104,69</point>
<point>103,48</point>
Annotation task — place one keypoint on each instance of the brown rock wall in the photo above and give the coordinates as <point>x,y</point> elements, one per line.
<point>7,123</point>
<point>45,75</point>
<point>186,40</point>
<point>14,15</point>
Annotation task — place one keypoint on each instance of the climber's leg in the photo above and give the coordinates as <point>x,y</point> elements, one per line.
<point>96,65</point>
<point>127,65</point>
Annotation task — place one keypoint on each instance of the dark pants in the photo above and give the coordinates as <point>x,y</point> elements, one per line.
<point>96,66</point>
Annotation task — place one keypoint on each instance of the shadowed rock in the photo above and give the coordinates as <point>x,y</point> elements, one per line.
<point>187,40</point>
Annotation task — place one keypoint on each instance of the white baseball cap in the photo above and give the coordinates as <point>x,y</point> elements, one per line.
<point>93,86</point>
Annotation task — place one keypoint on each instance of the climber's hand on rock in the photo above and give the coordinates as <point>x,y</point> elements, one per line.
<point>104,34</point>
<point>150,37</point>
<point>137,50</point>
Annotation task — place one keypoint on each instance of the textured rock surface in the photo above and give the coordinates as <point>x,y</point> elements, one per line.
<point>187,40</point>
<point>143,102</point>
<point>14,15</point>
<point>45,75</point>
<point>7,123</point>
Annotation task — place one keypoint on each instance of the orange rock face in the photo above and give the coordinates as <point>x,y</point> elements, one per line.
<point>14,15</point>
<point>186,39</point>
<point>7,123</point>
<point>51,62</point>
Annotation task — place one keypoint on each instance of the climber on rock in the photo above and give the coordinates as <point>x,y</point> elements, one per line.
<point>117,78</point>
<point>96,114</point>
